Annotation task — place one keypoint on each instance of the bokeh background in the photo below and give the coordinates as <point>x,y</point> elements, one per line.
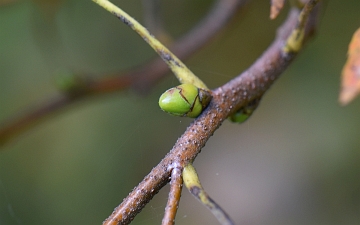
<point>296,161</point>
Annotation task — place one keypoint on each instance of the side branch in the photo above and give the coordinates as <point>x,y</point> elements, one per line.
<point>227,99</point>
<point>172,205</point>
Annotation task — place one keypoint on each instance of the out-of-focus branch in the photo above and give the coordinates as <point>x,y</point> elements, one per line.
<point>152,15</point>
<point>141,79</point>
<point>227,99</point>
<point>154,22</point>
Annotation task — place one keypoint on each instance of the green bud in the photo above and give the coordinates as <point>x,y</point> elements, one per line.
<point>184,100</point>
<point>240,116</point>
<point>245,112</point>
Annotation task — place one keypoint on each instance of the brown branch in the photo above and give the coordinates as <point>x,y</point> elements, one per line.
<point>172,205</point>
<point>249,85</point>
<point>141,79</point>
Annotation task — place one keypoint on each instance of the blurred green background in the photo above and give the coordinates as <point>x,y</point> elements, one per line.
<point>296,161</point>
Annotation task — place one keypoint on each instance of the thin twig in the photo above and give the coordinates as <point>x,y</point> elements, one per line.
<point>295,40</point>
<point>172,205</point>
<point>228,98</point>
<point>141,79</point>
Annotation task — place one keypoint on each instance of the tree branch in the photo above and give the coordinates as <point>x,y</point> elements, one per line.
<point>172,205</point>
<point>141,79</point>
<point>227,99</point>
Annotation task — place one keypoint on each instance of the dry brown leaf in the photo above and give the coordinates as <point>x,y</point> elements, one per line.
<point>350,80</point>
<point>275,8</point>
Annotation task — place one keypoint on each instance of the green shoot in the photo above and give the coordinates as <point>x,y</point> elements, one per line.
<point>184,75</point>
